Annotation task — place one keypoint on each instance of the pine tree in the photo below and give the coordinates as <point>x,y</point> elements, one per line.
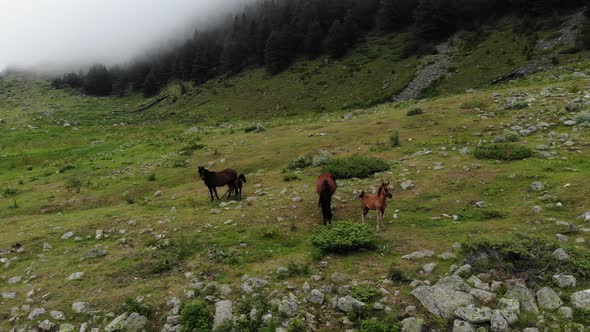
<point>336,42</point>
<point>98,81</point>
<point>278,52</point>
<point>232,56</point>
<point>313,40</point>
<point>435,19</point>
<point>395,14</point>
<point>150,85</point>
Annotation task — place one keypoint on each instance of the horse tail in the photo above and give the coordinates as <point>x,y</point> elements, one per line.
<point>242,177</point>
<point>362,194</point>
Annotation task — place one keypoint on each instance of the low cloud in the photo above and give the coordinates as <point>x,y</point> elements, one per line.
<point>57,35</point>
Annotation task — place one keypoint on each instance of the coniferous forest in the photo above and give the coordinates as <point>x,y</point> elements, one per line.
<point>272,33</point>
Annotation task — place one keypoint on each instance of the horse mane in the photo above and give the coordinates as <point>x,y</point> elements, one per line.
<point>380,189</point>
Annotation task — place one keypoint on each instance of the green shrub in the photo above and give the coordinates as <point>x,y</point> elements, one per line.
<point>74,184</point>
<point>297,269</point>
<point>583,119</point>
<point>344,237</point>
<point>503,151</point>
<point>394,139</point>
<point>397,275</point>
<point>132,305</point>
<point>187,149</point>
<point>171,253</point>
<point>288,177</point>
<point>355,166</point>
<point>365,293</point>
<point>9,192</point>
<point>519,256</point>
<point>296,326</point>
<point>415,111</point>
<point>151,177</point>
<point>196,317</point>
<point>319,159</point>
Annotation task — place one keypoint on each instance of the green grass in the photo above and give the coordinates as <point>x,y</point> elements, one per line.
<point>55,178</point>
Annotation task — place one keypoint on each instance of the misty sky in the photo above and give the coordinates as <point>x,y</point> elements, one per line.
<point>67,34</point>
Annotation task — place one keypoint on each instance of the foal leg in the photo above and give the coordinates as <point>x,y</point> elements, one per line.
<point>364,214</point>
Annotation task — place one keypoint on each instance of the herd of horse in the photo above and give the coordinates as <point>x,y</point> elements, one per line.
<point>325,188</point>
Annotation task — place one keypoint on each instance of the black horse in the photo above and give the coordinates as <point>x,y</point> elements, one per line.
<point>212,180</point>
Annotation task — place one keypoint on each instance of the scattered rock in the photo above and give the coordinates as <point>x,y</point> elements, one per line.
<point>223,313</point>
<point>548,299</point>
<point>316,296</point>
<point>412,324</point>
<point>407,184</point>
<point>67,235</point>
<point>349,303</point>
<point>442,301</point>
<point>76,276</point>
<point>537,186</point>
<point>561,255</point>
<point>36,313</point>
<point>419,254</point>
<point>474,315</point>
<point>498,323</point>
<point>524,296</point>
<point>80,307</point>
<point>564,281</point>
<point>581,300</point>
<point>462,326</point>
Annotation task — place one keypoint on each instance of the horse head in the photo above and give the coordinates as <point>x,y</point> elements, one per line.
<point>386,189</point>
<point>202,172</point>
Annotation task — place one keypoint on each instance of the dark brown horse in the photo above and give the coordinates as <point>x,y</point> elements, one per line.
<point>212,180</point>
<point>376,202</point>
<point>326,187</point>
<point>238,185</point>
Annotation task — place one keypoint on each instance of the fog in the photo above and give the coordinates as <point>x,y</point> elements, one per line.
<point>59,35</point>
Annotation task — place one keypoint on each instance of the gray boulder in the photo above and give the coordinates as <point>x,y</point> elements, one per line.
<point>524,296</point>
<point>564,281</point>
<point>473,314</point>
<point>561,255</point>
<point>349,303</point>
<point>315,296</point>
<point>548,299</point>
<point>498,322</point>
<point>412,324</point>
<point>441,301</point>
<point>454,282</point>
<point>80,307</point>
<point>223,313</point>
<point>462,326</point>
<point>581,300</point>
<point>537,186</point>
<point>36,313</point>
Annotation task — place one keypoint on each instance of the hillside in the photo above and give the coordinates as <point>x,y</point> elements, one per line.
<point>91,185</point>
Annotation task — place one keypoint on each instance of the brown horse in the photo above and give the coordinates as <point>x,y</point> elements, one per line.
<point>326,187</point>
<point>376,202</point>
<point>238,185</point>
<point>212,180</point>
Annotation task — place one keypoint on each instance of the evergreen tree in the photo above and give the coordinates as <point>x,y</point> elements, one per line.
<point>277,55</point>
<point>351,29</point>
<point>313,40</point>
<point>232,56</point>
<point>98,81</point>
<point>336,42</point>
<point>394,15</point>
<point>150,85</point>
<point>435,19</point>
<point>584,39</point>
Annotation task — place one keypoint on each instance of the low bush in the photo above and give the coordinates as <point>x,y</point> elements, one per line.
<point>319,159</point>
<point>583,119</point>
<point>358,166</point>
<point>7,192</point>
<point>365,293</point>
<point>196,317</point>
<point>503,151</point>
<point>132,305</point>
<point>344,237</point>
<point>415,111</point>
<point>397,275</point>
<point>171,253</point>
<point>257,128</point>
<point>394,139</point>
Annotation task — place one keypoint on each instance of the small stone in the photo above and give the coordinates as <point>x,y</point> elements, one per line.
<point>581,300</point>
<point>428,268</point>
<point>407,184</point>
<point>462,326</point>
<point>80,307</point>
<point>67,327</point>
<point>316,296</point>
<point>537,186</point>
<point>8,295</point>
<point>47,246</point>
<point>67,235</point>
<point>412,324</point>
<point>46,325</point>
<point>223,313</point>
<point>565,312</point>
<point>562,238</point>
<point>463,270</point>
<point>419,254</point>
<point>76,276</point>
<point>349,303</point>
<point>561,255</point>
<point>473,314</point>
<point>564,281</point>
<point>447,256</point>
<point>36,313</point>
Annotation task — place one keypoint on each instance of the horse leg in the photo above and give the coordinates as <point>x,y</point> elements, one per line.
<point>211,193</point>
<point>364,214</point>
<point>215,191</point>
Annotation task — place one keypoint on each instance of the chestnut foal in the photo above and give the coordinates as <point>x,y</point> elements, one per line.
<point>376,202</point>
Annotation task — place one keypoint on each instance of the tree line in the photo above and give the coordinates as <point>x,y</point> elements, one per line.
<point>273,33</point>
